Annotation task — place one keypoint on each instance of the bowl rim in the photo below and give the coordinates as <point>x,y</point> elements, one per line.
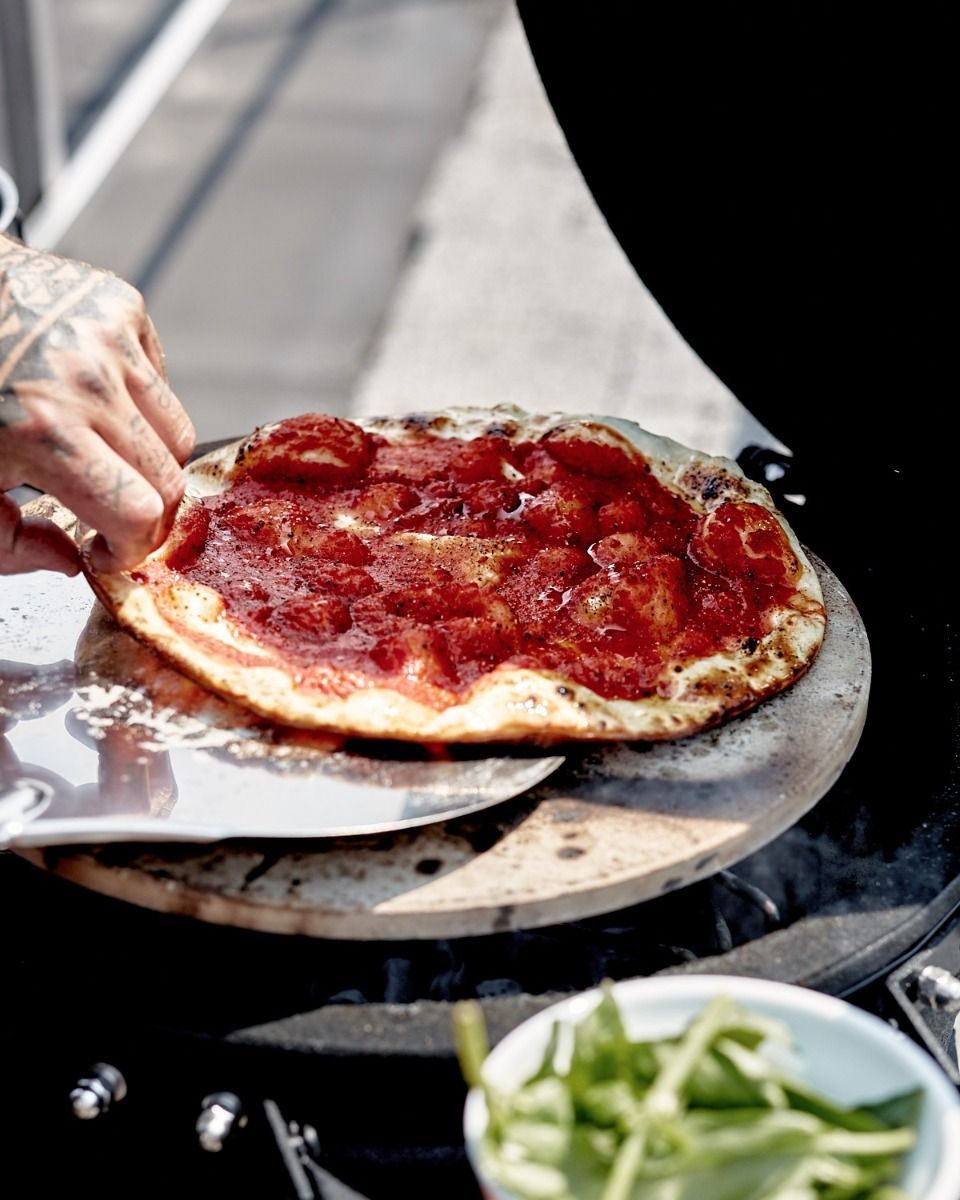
<point>943,1097</point>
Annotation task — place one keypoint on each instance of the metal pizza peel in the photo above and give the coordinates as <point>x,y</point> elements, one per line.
<point>101,741</point>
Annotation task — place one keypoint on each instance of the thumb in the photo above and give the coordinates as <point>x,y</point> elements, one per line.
<point>33,543</point>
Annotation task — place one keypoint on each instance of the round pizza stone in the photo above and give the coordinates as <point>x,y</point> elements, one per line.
<point>617,825</point>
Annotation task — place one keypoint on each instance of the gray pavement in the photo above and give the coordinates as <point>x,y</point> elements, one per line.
<point>96,42</point>
<point>266,206</point>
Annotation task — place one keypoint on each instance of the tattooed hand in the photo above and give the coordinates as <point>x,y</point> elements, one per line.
<point>86,413</point>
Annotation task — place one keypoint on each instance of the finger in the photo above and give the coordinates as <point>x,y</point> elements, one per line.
<point>106,492</point>
<point>157,394</point>
<point>33,543</point>
<point>150,342</point>
<point>154,398</point>
<point>128,432</point>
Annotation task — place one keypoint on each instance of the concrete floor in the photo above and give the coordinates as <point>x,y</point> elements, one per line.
<point>266,207</point>
<point>96,42</point>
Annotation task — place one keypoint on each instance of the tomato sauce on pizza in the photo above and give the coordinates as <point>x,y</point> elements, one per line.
<point>425,562</point>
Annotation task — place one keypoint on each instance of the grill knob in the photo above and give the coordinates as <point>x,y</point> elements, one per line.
<point>102,1086</point>
<point>220,1113</point>
<point>939,988</point>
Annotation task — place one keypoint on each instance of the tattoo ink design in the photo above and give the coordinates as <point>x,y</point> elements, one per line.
<point>107,483</point>
<point>159,390</point>
<point>98,383</point>
<point>155,386</point>
<point>40,298</point>
<point>128,348</point>
<point>56,446</point>
<point>154,457</point>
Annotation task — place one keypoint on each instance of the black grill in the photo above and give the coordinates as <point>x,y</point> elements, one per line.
<point>354,1038</point>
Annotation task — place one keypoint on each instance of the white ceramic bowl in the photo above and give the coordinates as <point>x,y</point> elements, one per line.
<point>849,1055</point>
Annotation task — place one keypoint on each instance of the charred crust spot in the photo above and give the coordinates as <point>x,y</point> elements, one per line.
<point>425,422</point>
<point>712,488</point>
<point>710,483</point>
<point>503,429</point>
<point>700,481</point>
<point>749,645</point>
<point>561,428</point>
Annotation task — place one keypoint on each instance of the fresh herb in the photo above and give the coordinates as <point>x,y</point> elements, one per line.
<point>703,1116</point>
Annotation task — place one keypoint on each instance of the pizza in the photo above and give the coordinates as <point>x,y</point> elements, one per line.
<point>476,575</point>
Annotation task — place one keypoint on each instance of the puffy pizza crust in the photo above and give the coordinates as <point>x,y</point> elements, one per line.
<point>187,621</point>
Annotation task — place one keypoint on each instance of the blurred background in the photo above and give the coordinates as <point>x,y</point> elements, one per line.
<point>353,206</point>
